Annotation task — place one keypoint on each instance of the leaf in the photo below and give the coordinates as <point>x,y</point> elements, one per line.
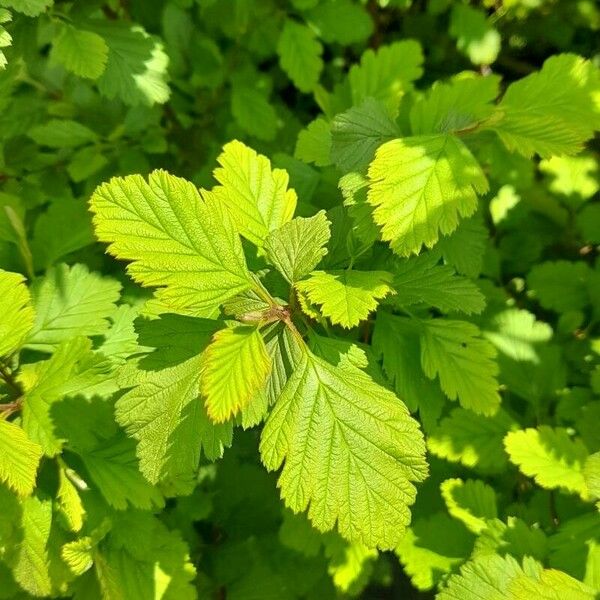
<point>420,280</point>
<point>351,451</point>
<point>72,369</point>
<point>488,577</point>
<point>561,285</point>
<point>552,585</point>
<point>573,176</point>
<point>342,21</point>
<point>464,249</point>
<point>514,537</point>
<point>256,196</point>
<point>31,8</point>
<point>473,502</point>
<point>300,55</point>
<point>136,68</point>
<point>461,104</point>
<point>140,558</point>
<point>346,297</point>
<point>83,53</point>
<point>297,247</point>
<point>120,341</point>
<point>474,35</point>
<point>357,133</point>
<point>386,74</point>
<point>591,473</point>
<point>235,367</point>
<point>19,458</point>
<point>464,362</point>
<point>427,556</point>
<point>253,111</point>
<point>5,37</point>
<point>553,111</point>
<point>16,312</point>
<point>178,242</point>
<point>172,339</point>
<point>472,440</point>
<point>397,341</point>
<point>166,416</point>
<point>31,568</point>
<point>69,501</point>
<point>515,333</point>
<point>113,466</point>
<point>62,133</point>
<point>64,228</point>
<point>71,301</point>
<point>550,456</point>
<point>420,187</point>
<point>314,143</point>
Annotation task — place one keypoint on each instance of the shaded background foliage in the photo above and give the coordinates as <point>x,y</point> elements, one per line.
<point>94,89</point>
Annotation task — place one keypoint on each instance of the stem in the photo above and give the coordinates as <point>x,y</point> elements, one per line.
<point>9,380</point>
<point>263,294</point>
<point>295,333</point>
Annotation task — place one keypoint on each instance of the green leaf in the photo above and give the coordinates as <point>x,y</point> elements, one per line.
<point>553,111</point>
<point>351,451</point>
<point>64,228</point>
<point>386,74</point>
<point>473,502</point>
<point>69,501</point>
<point>464,249</point>
<point>427,556</point>
<point>235,367</point>
<point>314,143</point>
<point>19,458</point>
<point>253,112</point>
<point>420,187</point>
<point>73,369</point>
<point>357,133</point>
<point>83,53</point>
<point>16,312</point>
<point>136,68</point>
<point>552,585</point>
<point>300,55</point>
<point>140,558</point>
<point>165,414</point>
<point>514,537</point>
<point>488,577</point>
<point>114,468</point>
<point>573,176</point>
<point>30,567</point>
<point>297,247</point>
<point>341,21</point>
<point>172,339</point>
<point>560,285</point>
<point>464,362</point>
<point>256,196</point>
<point>31,8</point>
<point>591,473</point>
<point>397,341</point>
<point>71,301</point>
<point>472,440</point>
<point>62,133</point>
<point>5,37</point>
<point>461,104</point>
<point>346,297</point>
<point>474,35</point>
<point>171,234</point>
<point>420,280</point>
<point>515,333</point>
<point>550,456</point>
